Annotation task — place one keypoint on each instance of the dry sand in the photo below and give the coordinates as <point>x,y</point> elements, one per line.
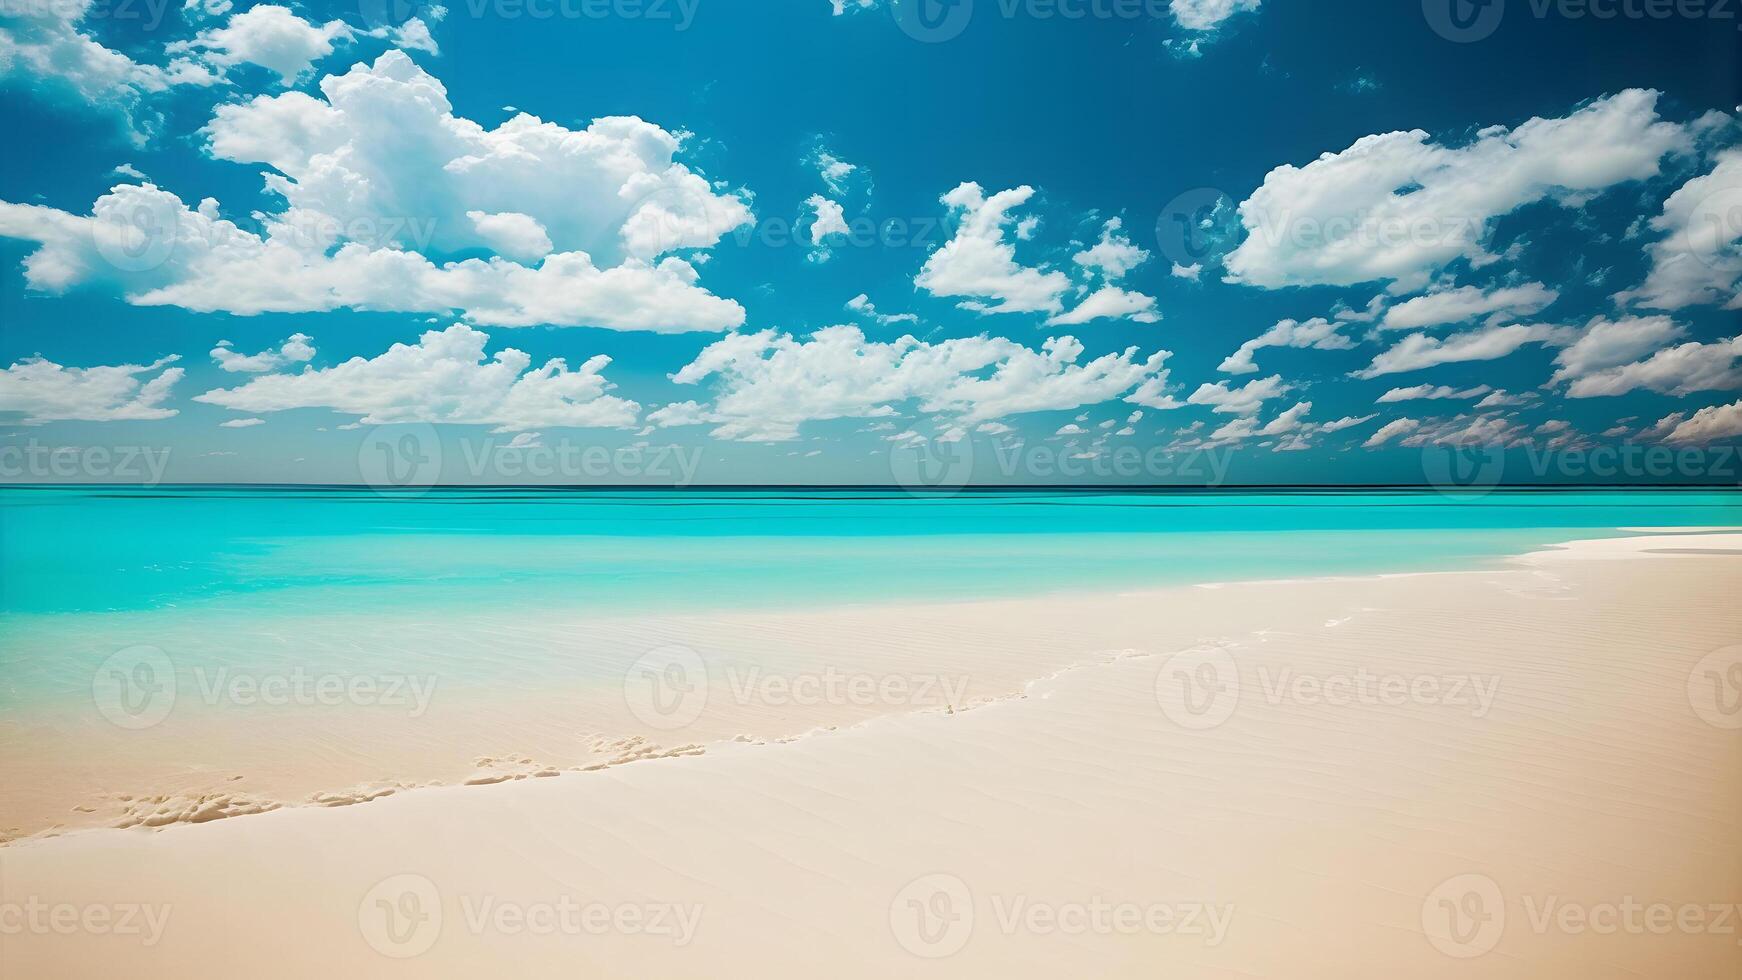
<point>1533,771</point>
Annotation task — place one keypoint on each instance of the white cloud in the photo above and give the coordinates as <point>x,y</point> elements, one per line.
<point>829,218</point>
<point>48,392</point>
<point>1192,272</point>
<point>198,261</point>
<point>1679,370</point>
<point>1709,424</point>
<point>1397,206</point>
<point>511,234</point>
<point>769,384</point>
<point>861,304</point>
<point>1431,392</point>
<point>1699,258</point>
<point>1391,430</point>
<point>1114,255</point>
<point>1110,302</point>
<point>1419,350</point>
<point>1207,15</point>
<point>270,36</point>
<point>1467,303</point>
<point>295,350</point>
<point>1605,344</point>
<point>444,377</point>
<point>1244,400</point>
<point>980,264</point>
<point>43,44</point>
<point>837,174</point>
<point>241,423</point>
<point>1500,399</point>
<point>1317,333</point>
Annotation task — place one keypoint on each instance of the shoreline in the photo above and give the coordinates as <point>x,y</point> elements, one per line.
<point>1539,742</point>
<point>582,731</point>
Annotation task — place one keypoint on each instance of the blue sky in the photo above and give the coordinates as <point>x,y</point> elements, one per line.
<point>1536,223</point>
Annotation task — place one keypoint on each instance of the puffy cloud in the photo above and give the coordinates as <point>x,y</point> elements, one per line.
<point>1468,430</point>
<point>1709,424</point>
<point>1207,15</point>
<point>43,44</point>
<point>444,377</point>
<point>979,262</point>
<point>1699,257</point>
<point>1608,344</point>
<point>1110,301</point>
<point>1397,206</point>
<point>293,351</point>
<point>1317,333</point>
<point>157,252</point>
<point>1244,400</point>
<point>769,384</point>
<point>1391,430</point>
<point>861,304</point>
<point>511,234</point>
<point>270,36</point>
<point>241,423</point>
<point>1431,392</point>
<point>1500,399</point>
<point>1114,255</point>
<point>44,391</point>
<point>385,151</point>
<point>829,218</point>
<point>1419,350</point>
<point>1467,303</point>
<point>1679,370</point>
<point>837,174</point>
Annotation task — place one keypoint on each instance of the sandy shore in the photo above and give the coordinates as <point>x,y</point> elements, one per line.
<point>1533,771</point>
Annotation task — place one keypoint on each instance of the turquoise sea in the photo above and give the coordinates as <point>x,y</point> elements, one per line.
<point>66,551</point>
<point>483,586</point>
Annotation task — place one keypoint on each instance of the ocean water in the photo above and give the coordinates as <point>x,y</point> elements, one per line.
<point>312,551</point>
<point>352,580</point>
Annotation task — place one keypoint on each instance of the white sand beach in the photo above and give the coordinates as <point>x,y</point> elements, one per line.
<point>1529,771</point>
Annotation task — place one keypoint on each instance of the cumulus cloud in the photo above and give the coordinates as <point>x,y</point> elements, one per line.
<point>862,305</point>
<point>1393,429</point>
<point>827,218</point>
<point>512,234</point>
<point>444,377</point>
<point>1317,333</point>
<point>1419,350</point>
<point>1244,400</point>
<point>43,391</point>
<point>1699,258</point>
<point>1605,344</point>
<point>1207,15</point>
<point>1680,370</point>
<point>1398,206</point>
<point>979,261</point>
<point>1467,303</point>
<point>270,36</point>
<point>1432,393</point>
<point>148,245</point>
<point>44,45</point>
<point>295,350</point>
<point>768,384</point>
<point>1709,424</point>
<point>1109,260</point>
